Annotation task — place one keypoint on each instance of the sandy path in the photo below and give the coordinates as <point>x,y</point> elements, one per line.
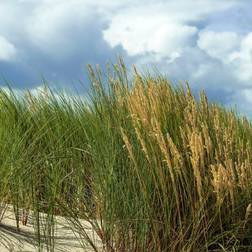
<point>25,239</point>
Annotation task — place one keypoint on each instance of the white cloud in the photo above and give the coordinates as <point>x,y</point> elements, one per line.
<point>50,24</point>
<point>183,38</point>
<point>219,45</point>
<point>7,50</point>
<point>160,28</point>
<point>233,50</point>
<point>159,35</point>
<point>242,60</point>
<point>55,26</point>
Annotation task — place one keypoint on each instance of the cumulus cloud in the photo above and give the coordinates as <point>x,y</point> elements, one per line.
<point>160,28</point>
<point>51,27</point>
<point>219,45</point>
<point>232,49</point>
<point>242,59</point>
<point>55,39</point>
<point>160,36</point>
<point>208,43</point>
<point>189,40</point>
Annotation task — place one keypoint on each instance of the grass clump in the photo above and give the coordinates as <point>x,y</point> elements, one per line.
<point>151,167</point>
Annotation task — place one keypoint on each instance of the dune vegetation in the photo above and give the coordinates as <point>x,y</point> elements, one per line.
<point>149,165</point>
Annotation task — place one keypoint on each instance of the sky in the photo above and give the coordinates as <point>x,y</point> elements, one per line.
<point>205,42</point>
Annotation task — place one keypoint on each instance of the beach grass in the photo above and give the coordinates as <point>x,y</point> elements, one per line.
<point>148,164</point>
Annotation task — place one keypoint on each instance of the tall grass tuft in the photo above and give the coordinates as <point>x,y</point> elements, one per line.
<point>148,165</point>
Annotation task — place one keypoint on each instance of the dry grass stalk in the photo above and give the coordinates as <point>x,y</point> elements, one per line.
<point>197,161</point>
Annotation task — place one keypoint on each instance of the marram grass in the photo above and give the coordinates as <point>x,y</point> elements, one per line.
<point>151,167</point>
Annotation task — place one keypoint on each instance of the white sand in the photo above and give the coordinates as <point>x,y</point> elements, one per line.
<point>25,240</point>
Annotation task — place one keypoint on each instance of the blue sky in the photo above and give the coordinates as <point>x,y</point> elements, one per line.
<point>206,42</point>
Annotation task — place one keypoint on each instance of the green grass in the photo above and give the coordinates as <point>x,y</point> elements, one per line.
<point>148,165</point>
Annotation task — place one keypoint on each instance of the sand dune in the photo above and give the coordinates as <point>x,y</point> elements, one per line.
<point>25,239</point>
